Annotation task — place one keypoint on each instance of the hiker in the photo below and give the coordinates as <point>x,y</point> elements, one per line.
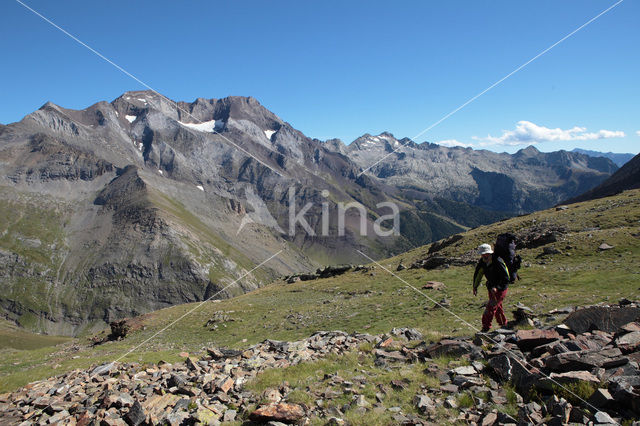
<point>497,274</point>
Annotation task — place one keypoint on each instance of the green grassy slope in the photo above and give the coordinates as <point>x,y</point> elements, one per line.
<point>375,301</point>
<point>17,338</point>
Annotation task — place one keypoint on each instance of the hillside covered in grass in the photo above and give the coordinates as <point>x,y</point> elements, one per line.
<point>581,254</point>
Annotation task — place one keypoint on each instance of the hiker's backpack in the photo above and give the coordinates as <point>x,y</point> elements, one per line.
<point>505,248</point>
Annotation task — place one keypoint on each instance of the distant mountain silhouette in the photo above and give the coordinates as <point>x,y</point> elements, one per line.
<point>627,177</point>
<point>619,158</point>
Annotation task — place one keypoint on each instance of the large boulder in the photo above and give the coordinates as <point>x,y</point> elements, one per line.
<point>508,368</point>
<point>605,318</point>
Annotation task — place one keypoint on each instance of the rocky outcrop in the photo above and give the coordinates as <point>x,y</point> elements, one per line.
<point>324,272</point>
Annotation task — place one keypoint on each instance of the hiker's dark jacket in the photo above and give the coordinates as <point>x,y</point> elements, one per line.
<point>497,274</point>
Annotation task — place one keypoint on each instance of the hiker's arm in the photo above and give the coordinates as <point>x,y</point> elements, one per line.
<point>477,278</point>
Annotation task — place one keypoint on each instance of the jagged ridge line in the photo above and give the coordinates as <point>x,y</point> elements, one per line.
<point>148,87</point>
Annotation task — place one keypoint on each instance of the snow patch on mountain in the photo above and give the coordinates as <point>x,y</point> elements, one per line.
<point>131,118</point>
<point>269,133</point>
<point>206,126</point>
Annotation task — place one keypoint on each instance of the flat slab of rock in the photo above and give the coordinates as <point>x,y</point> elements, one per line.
<point>466,370</point>
<point>448,347</point>
<point>556,379</point>
<point>605,318</point>
<point>629,342</point>
<point>529,339</point>
<point>281,412</point>
<point>585,360</point>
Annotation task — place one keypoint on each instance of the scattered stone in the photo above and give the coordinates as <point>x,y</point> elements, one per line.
<point>450,388</point>
<point>136,415</point>
<point>281,412</point>
<point>466,370</point>
<point>103,369</point>
<point>601,398</point>
<point>229,416</point>
<point>605,246</point>
<point>424,404</point>
<point>550,250</point>
<point>434,285</point>
<point>603,418</point>
<point>489,419</point>
<point>360,401</point>
<point>408,333</point>
<point>450,402</point>
<point>399,384</point>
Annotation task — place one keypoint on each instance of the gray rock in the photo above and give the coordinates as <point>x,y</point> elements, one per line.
<point>629,342</point>
<point>103,369</point>
<point>229,416</point>
<point>466,370</point>
<point>603,418</point>
<point>136,415</point>
<point>451,402</point>
<point>605,318</point>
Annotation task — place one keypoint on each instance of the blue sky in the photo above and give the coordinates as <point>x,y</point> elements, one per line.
<point>344,68</point>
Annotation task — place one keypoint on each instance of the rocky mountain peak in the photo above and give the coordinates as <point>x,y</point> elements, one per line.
<point>336,145</point>
<point>529,151</point>
<point>49,105</point>
<point>385,141</point>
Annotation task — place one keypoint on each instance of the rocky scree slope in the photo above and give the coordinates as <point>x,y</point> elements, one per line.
<point>583,371</point>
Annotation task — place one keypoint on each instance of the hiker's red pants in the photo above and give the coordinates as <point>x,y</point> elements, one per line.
<point>494,308</point>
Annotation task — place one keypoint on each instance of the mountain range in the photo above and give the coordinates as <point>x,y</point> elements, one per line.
<point>141,203</point>
<point>619,158</point>
<point>625,178</point>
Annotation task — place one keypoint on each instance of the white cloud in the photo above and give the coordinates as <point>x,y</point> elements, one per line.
<point>638,133</point>
<point>452,143</point>
<point>530,133</point>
